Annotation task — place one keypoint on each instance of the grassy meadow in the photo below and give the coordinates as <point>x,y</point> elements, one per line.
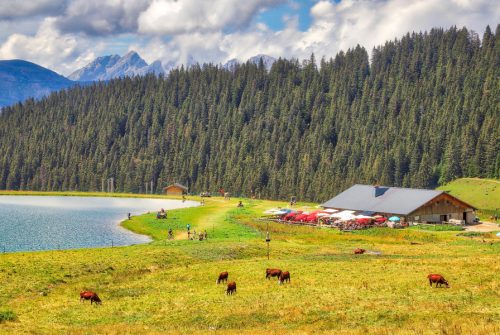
<point>484,194</point>
<point>169,286</point>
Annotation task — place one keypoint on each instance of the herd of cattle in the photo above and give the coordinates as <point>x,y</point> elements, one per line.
<point>283,277</point>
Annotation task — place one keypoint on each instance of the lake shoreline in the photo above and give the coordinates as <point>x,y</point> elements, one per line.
<point>59,224</point>
<point>89,194</point>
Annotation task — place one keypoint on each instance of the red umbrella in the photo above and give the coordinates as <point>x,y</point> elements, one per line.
<point>312,217</point>
<point>364,220</point>
<point>380,220</point>
<point>301,217</point>
<point>290,216</point>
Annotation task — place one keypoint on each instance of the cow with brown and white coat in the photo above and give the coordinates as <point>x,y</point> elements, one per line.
<point>222,277</point>
<point>437,279</point>
<point>231,288</point>
<point>273,273</point>
<point>89,295</point>
<point>284,277</point>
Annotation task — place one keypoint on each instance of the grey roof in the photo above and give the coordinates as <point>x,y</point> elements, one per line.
<point>393,200</point>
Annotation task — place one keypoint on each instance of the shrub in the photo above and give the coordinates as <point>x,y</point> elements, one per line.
<point>440,227</point>
<point>7,315</point>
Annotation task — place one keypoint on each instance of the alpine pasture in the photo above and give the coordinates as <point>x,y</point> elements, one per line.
<point>169,286</point>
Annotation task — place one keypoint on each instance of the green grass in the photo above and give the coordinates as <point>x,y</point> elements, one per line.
<point>438,227</point>
<point>7,315</point>
<point>169,286</point>
<point>484,194</point>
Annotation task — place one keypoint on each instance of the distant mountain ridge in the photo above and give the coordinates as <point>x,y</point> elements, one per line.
<point>130,65</point>
<point>94,69</point>
<point>20,80</point>
<point>113,66</point>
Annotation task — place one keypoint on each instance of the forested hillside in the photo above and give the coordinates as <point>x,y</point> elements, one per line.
<point>421,111</point>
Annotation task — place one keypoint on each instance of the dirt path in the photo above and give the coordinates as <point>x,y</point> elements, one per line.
<point>483,227</point>
<point>210,218</point>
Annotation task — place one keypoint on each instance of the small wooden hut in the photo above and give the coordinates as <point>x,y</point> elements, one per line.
<point>175,189</point>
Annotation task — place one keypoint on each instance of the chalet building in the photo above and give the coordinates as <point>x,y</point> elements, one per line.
<point>175,189</point>
<point>412,205</point>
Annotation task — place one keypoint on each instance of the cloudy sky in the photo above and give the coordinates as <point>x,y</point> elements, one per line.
<point>64,35</point>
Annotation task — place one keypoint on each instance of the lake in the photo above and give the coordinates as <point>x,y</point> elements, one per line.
<point>50,222</point>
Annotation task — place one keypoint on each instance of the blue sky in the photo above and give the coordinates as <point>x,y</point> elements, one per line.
<point>274,17</point>
<point>65,35</point>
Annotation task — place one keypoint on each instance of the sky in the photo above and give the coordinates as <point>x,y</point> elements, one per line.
<point>65,35</point>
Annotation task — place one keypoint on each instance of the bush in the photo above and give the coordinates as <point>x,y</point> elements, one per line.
<point>7,315</point>
<point>440,227</point>
<point>477,234</point>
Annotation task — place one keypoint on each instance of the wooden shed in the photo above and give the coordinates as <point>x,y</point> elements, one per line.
<point>175,189</point>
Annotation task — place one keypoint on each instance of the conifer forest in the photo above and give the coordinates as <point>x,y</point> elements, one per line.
<point>418,111</point>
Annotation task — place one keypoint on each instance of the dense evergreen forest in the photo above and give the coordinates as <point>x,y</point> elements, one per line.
<point>421,111</point>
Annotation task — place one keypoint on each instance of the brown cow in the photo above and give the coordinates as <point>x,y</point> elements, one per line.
<point>359,251</point>
<point>222,277</point>
<point>285,276</point>
<point>231,288</point>
<point>273,273</point>
<point>438,279</point>
<point>89,295</point>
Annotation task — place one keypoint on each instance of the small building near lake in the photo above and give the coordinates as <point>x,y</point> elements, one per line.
<point>411,205</point>
<point>175,189</point>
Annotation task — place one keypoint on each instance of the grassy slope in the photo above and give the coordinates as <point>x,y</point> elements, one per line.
<point>168,286</point>
<point>484,194</point>
<point>481,193</point>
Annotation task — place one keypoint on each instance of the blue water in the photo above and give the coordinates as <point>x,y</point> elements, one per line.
<point>47,223</point>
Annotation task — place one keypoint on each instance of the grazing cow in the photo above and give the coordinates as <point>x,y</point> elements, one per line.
<point>222,277</point>
<point>284,276</point>
<point>438,279</point>
<point>231,288</point>
<point>359,251</point>
<point>273,273</point>
<point>89,295</point>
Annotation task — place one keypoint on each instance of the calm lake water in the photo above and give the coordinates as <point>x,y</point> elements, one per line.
<point>47,223</point>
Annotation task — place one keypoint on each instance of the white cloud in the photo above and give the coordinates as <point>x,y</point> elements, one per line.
<point>49,48</point>
<point>215,31</point>
<point>370,23</point>
<point>334,27</point>
<point>187,16</point>
<point>10,9</point>
<point>97,17</point>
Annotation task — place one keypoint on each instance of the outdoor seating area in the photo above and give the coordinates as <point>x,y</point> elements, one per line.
<point>344,220</point>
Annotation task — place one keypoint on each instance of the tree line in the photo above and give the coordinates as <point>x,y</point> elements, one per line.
<point>421,111</point>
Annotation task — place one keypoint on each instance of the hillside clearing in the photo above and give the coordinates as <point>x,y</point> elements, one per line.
<point>484,194</point>
<point>481,193</point>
